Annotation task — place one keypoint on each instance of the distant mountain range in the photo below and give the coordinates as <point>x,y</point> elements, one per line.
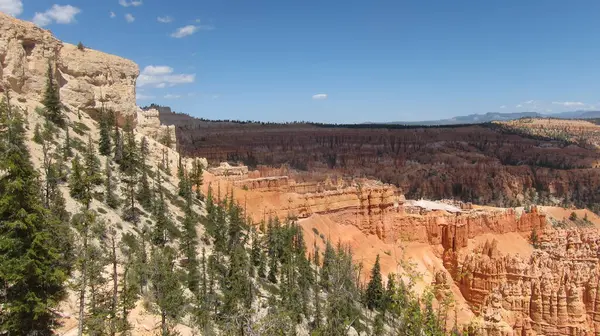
<point>497,116</point>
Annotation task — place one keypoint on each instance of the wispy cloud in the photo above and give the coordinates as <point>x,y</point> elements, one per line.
<point>172,96</point>
<point>164,19</point>
<point>163,76</point>
<point>503,106</point>
<point>569,104</point>
<point>185,31</point>
<point>129,18</point>
<point>57,14</point>
<point>141,96</point>
<point>320,96</point>
<point>133,3</point>
<point>112,15</point>
<point>11,7</point>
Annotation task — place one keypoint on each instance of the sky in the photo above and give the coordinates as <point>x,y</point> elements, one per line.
<point>342,61</point>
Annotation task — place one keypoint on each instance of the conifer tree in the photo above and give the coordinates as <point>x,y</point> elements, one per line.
<point>118,146</point>
<point>189,244</point>
<point>131,280</point>
<point>104,144</point>
<point>92,165</point>
<point>237,291</point>
<point>109,186</point>
<point>30,253</point>
<point>144,194</point>
<point>51,99</point>
<point>129,165</point>
<point>163,230</point>
<point>167,290</point>
<point>77,182</point>
<point>67,152</point>
<point>374,293</point>
<point>197,179</point>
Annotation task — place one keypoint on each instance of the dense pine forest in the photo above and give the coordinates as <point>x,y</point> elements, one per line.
<point>191,259</point>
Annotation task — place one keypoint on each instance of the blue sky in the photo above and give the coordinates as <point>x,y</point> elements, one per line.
<point>343,61</point>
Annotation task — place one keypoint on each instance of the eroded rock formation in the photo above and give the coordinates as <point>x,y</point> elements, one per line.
<point>553,292</point>
<point>88,79</point>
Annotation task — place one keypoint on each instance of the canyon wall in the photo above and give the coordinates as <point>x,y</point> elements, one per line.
<point>482,164</point>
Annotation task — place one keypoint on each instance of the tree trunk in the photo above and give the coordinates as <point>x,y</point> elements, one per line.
<point>113,327</point>
<point>83,282</point>
<point>165,331</point>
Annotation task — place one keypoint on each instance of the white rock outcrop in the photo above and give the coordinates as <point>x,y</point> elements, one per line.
<point>87,78</point>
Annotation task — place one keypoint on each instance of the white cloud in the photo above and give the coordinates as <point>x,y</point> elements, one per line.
<point>163,76</point>
<point>529,102</point>
<point>59,14</point>
<point>157,70</point>
<point>185,31</point>
<point>11,7</point>
<point>320,96</point>
<point>141,96</point>
<point>503,106</point>
<point>133,3</point>
<point>519,106</point>
<point>569,104</point>
<point>172,96</point>
<point>112,15</point>
<point>164,19</point>
<point>129,18</point>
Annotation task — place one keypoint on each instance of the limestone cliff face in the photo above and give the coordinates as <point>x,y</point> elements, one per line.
<point>87,78</point>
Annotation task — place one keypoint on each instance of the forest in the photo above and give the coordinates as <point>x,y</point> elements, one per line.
<point>212,269</point>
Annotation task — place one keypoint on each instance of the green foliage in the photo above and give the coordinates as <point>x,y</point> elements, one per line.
<point>109,187</point>
<point>51,99</point>
<point>374,294</point>
<point>105,142</point>
<point>144,193</point>
<point>31,252</point>
<point>534,239</point>
<point>166,287</point>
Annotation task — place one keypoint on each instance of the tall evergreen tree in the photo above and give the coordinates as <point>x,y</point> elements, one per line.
<point>51,99</point>
<point>67,152</point>
<point>77,182</point>
<point>197,179</point>
<point>105,142</point>
<point>110,197</point>
<point>144,194</point>
<point>374,293</point>
<point>167,290</point>
<point>129,165</point>
<point>189,244</point>
<point>30,253</point>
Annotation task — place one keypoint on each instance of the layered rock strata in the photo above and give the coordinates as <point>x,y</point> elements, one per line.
<point>88,79</point>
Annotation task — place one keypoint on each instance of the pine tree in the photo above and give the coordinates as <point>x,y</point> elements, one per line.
<point>104,144</point>
<point>129,165</point>
<point>77,182</point>
<point>118,146</point>
<point>167,290</point>
<point>67,151</point>
<point>326,269</point>
<point>51,100</point>
<point>197,179</point>
<point>30,252</point>
<point>189,244</point>
<point>144,194</point>
<point>37,134</point>
<point>91,165</point>
<point>374,293</point>
<point>109,187</point>
<point>164,229</point>
<point>237,291</point>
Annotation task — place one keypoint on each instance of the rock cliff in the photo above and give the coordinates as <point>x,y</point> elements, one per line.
<point>88,79</point>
